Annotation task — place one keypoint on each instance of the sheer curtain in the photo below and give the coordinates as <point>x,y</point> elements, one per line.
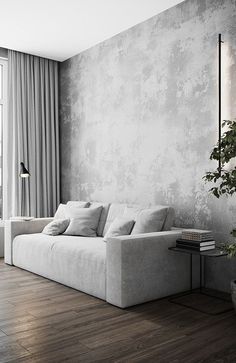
<point>31,135</point>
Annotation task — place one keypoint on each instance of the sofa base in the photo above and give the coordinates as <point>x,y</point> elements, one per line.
<point>77,262</point>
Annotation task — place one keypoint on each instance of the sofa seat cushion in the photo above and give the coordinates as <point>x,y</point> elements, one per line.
<point>78,262</point>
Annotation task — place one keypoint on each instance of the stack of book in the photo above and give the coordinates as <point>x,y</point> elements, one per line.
<point>196,239</point>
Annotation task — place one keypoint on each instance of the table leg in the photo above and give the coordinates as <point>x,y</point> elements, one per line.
<point>201,273</point>
<point>191,271</point>
<point>202,263</point>
<point>204,269</point>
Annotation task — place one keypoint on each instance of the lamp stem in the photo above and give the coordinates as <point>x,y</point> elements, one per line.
<point>219,74</point>
<point>28,193</point>
<point>22,196</point>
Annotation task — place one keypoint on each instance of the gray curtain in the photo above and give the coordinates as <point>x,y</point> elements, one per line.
<point>31,136</point>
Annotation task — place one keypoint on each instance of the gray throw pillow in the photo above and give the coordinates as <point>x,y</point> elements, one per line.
<point>85,223</point>
<point>103,217</point>
<point>57,226</point>
<point>119,227</point>
<point>150,220</point>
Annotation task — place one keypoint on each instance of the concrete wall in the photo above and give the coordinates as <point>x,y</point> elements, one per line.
<point>138,115</point>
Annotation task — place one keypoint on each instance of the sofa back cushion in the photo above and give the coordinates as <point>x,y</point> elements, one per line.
<point>103,217</point>
<point>60,212</point>
<point>73,208</point>
<point>115,210</point>
<point>169,221</point>
<point>78,204</point>
<point>84,223</point>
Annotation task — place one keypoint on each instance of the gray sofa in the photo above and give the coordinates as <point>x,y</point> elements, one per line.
<point>125,271</point>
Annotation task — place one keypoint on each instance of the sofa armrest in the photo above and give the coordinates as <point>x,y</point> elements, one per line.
<point>13,228</point>
<point>140,268</point>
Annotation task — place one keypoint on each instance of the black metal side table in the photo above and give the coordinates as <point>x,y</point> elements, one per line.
<point>216,253</point>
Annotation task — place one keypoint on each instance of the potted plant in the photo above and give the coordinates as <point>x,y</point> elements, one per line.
<point>225,151</point>
<point>225,179</point>
<point>230,248</point>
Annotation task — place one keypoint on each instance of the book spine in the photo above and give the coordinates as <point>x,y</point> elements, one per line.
<point>203,248</point>
<point>197,239</point>
<point>196,243</point>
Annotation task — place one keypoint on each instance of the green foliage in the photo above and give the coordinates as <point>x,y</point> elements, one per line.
<point>229,248</point>
<point>225,179</point>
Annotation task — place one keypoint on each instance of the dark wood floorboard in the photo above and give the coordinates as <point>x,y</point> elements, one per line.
<point>42,321</point>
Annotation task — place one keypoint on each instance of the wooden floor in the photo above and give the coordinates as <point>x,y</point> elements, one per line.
<point>42,321</point>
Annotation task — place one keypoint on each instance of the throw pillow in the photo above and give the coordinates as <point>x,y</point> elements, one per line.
<point>115,210</point>
<point>60,212</point>
<point>103,217</point>
<point>85,223</point>
<point>119,227</point>
<point>150,220</point>
<point>57,226</point>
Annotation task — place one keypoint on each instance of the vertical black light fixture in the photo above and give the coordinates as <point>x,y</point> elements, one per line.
<point>24,173</point>
<point>219,94</point>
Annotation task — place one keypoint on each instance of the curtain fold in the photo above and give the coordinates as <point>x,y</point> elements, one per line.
<point>31,135</point>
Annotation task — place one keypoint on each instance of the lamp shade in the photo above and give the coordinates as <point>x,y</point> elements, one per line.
<point>24,173</point>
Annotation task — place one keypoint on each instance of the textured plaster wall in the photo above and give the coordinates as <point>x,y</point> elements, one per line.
<point>139,116</point>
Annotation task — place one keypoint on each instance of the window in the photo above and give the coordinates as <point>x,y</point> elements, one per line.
<point>3,113</point>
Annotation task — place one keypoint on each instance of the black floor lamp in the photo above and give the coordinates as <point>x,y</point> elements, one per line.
<point>219,98</point>
<point>24,173</point>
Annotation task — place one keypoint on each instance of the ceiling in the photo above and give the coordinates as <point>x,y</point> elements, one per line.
<point>59,29</point>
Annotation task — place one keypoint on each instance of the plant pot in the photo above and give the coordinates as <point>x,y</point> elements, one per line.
<point>233,293</point>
